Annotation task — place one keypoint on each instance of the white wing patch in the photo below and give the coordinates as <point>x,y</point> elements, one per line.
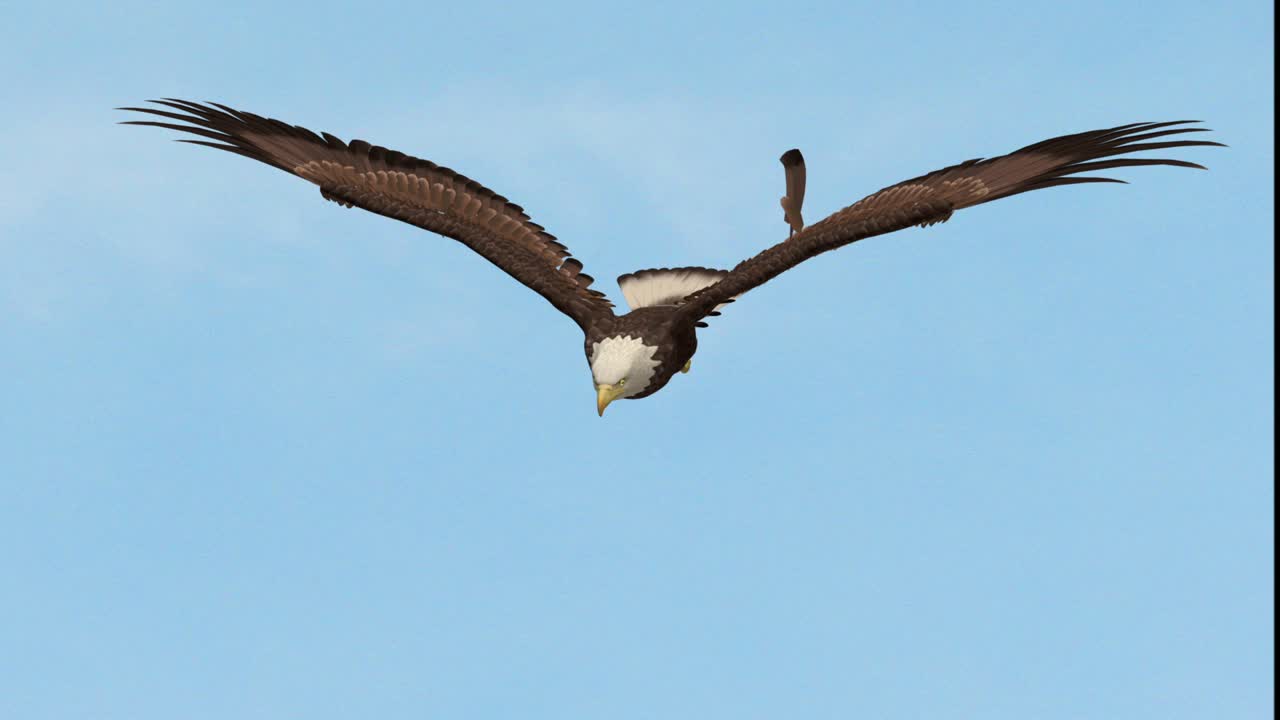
<point>646,288</point>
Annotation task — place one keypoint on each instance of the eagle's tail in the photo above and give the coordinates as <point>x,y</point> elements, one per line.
<point>665,286</point>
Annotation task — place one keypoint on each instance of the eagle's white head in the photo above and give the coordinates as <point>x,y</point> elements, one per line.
<point>621,366</point>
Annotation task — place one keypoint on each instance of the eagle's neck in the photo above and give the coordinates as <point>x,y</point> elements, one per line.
<point>624,356</point>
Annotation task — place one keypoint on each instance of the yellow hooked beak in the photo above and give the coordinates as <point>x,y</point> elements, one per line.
<point>606,394</point>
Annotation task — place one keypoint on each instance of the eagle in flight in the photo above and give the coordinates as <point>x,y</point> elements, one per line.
<point>636,354</point>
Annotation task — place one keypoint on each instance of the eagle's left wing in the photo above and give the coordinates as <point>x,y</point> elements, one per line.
<point>932,198</point>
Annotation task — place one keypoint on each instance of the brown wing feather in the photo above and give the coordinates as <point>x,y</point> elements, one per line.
<point>399,186</point>
<point>793,201</point>
<point>932,198</point>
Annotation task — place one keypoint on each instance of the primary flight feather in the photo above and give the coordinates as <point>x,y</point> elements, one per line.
<point>636,354</point>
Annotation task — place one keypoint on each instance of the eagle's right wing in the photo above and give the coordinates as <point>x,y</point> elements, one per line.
<point>415,191</point>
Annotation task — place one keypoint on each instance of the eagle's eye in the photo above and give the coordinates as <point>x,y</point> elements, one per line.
<point>622,382</point>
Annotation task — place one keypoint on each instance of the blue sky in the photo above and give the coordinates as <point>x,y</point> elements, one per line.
<point>262,457</point>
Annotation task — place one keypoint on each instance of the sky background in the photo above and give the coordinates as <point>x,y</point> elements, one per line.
<point>263,457</point>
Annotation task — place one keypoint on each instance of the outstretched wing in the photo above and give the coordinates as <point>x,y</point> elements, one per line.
<point>932,198</point>
<point>396,185</point>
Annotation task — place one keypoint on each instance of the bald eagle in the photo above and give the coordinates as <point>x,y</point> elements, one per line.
<point>636,354</point>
